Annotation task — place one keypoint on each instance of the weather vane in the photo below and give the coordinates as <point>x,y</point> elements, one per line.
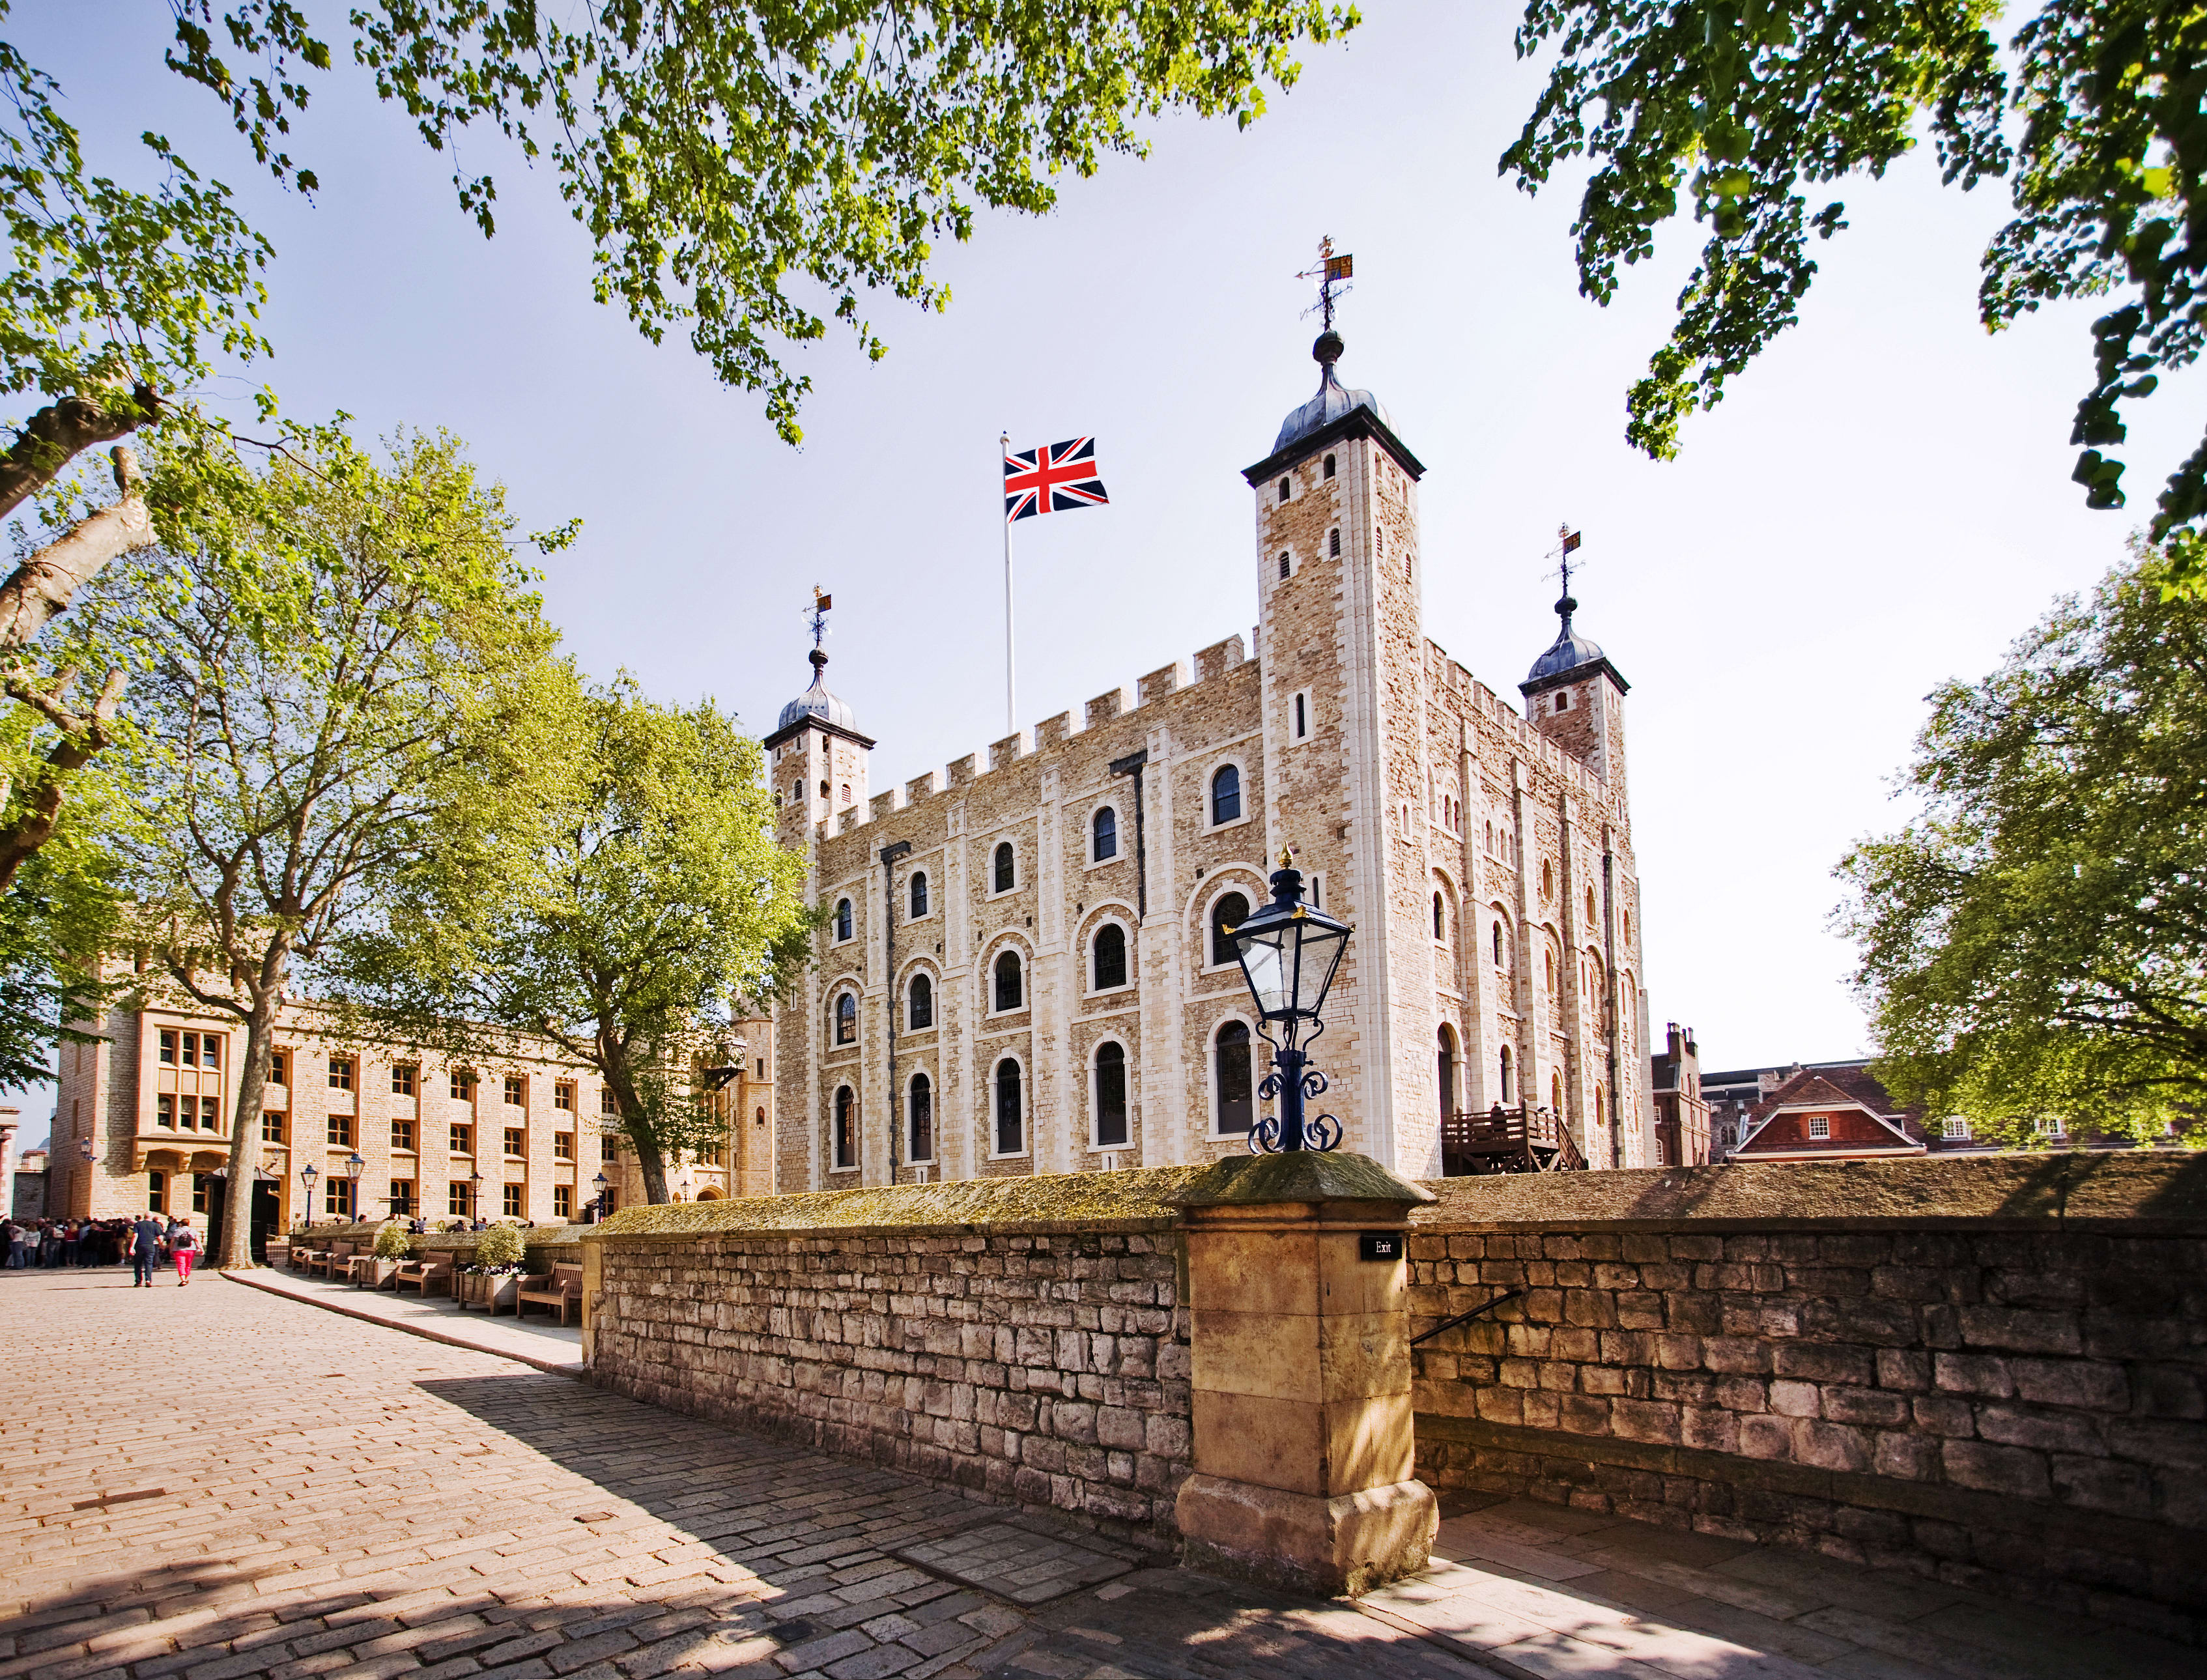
<point>817,615</point>
<point>1568,542</point>
<point>1331,273</point>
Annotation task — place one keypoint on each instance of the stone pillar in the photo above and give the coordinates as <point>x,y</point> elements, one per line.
<point>1301,1376</point>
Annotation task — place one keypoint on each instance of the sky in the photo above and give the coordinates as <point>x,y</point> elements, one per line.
<point>1880,504</point>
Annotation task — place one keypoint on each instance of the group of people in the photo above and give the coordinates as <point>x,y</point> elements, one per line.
<point>145,1244</point>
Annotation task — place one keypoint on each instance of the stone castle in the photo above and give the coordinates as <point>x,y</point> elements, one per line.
<point>1023,969</point>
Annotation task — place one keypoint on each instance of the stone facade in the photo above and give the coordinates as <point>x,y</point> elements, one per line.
<point>2012,1401</point>
<point>1484,858</point>
<point>530,1122</point>
<point>1681,1136</point>
<point>1046,1367</point>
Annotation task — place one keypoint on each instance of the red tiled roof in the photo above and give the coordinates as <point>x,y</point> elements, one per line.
<point>1838,1087</point>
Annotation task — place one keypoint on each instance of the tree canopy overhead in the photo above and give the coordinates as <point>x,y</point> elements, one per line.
<point>754,169</point>
<point>1739,107</point>
<point>2035,945</point>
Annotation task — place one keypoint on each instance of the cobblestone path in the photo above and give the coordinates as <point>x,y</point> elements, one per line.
<point>216,1483</point>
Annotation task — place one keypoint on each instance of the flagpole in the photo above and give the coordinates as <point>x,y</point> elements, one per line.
<point>1011,687</point>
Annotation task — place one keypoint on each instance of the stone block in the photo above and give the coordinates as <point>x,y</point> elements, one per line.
<point>1874,1406</point>
<point>2088,1384</point>
<point>1905,1369</point>
<point>1992,1469</point>
<point>1347,1543</point>
<point>1796,1400</point>
<point>1831,1446</point>
<point>1972,1373</point>
<point>2021,1330</point>
<point>1824,1362</point>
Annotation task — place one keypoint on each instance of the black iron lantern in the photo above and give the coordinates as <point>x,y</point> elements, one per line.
<point>1289,954</point>
<point>307,1176</point>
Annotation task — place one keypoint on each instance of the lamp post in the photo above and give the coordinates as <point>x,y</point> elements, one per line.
<point>474,1196</point>
<point>307,1176</point>
<point>354,1166</point>
<point>1288,953</point>
<point>601,1184</point>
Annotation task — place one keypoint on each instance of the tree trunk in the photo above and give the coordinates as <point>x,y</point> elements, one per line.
<point>654,1162</point>
<point>41,589</point>
<point>245,1144</point>
<point>58,433</point>
<point>82,738</point>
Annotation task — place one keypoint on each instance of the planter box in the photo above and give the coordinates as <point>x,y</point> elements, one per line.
<point>492,1293</point>
<point>377,1275</point>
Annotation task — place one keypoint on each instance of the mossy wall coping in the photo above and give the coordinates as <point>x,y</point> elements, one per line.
<point>1040,1204</point>
<point>2141,1194</point>
<point>1297,1175</point>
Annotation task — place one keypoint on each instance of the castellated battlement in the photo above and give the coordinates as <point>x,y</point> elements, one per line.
<point>1169,683</point>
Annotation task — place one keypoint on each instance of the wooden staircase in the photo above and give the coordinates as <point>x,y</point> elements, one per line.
<point>1507,1140</point>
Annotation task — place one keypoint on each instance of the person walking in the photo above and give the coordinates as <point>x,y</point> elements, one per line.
<point>183,1249</point>
<point>146,1242</point>
<point>18,1240</point>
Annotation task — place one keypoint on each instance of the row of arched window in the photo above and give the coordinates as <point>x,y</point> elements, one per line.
<point>1234,1077</point>
<point>1108,970</point>
<point>1004,861</point>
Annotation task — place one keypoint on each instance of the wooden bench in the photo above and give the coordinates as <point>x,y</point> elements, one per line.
<point>430,1272</point>
<point>562,1290</point>
<point>327,1261</point>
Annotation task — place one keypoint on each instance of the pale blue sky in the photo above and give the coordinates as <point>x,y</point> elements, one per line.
<point>1881,504</point>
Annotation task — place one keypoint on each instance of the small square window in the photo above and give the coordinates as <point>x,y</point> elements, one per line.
<point>606,1103</point>
<point>1819,1126</point>
<point>168,1046</point>
<point>563,1146</point>
<point>337,1196</point>
<point>1956,1127</point>
<point>463,1085</point>
<point>609,1147</point>
<point>280,1067</point>
<point>403,1078</point>
<point>563,1201</point>
<point>464,1140</point>
<point>339,1130</point>
<point>511,1201</point>
<point>513,1141</point>
<point>340,1073</point>
<point>456,1198</point>
<point>272,1128</point>
<point>402,1135</point>
<point>401,1197</point>
<point>516,1092</point>
<point>563,1096</point>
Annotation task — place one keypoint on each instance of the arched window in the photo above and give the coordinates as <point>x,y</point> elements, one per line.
<point>919,1006</point>
<point>1591,911</point>
<point>1556,1092</point>
<point>1008,981</point>
<point>1548,968</point>
<point>1284,567</point>
<point>1333,543</point>
<point>1547,882</point>
<point>846,1129</point>
<point>1011,1120</point>
<point>919,893</point>
<point>1505,1072</point>
<point>1447,1072</point>
<point>1627,920</point>
<point>1225,795</point>
<point>1439,931</point>
<point>842,919</point>
<point>1007,864</point>
<point>1326,471</point>
<point>919,1109</point>
<point>1109,964</point>
<point>1498,944</point>
<point>1490,838</point>
<point>1563,700</point>
<point>1237,1108</point>
<point>1229,912</point>
<point>1601,1107</point>
<point>1104,835</point>
<point>1111,1095</point>
<point>1283,489</point>
<point>846,1018</point>
<point>823,790</point>
<point>846,793</point>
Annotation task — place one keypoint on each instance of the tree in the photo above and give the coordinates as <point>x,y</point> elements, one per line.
<point>2035,943</point>
<point>653,896</point>
<point>734,161</point>
<point>367,713</point>
<point>1744,103</point>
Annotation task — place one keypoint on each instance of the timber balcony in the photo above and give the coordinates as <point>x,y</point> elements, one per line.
<point>1507,1140</point>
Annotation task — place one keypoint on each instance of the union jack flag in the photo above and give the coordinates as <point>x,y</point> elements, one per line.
<point>1052,478</point>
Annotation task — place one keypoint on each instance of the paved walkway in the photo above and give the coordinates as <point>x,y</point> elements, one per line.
<point>219,1483</point>
<point>536,1341</point>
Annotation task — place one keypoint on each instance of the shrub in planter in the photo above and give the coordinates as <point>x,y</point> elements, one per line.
<point>391,1243</point>
<point>499,1250</point>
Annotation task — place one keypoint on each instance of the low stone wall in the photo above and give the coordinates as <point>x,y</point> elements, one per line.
<point>1993,1370</point>
<point>545,1245</point>
<point>1025,1338</point>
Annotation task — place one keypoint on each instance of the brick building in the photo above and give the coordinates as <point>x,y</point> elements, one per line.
<point>1828,1114</point>
<point>1023,968</point>
<point>1681,1133</point>
<point>521,1136</point>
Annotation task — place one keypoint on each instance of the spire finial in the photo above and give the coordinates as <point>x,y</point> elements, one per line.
<point>1569,541</point>
<point>823,602</point>
<point>1332,272</point>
